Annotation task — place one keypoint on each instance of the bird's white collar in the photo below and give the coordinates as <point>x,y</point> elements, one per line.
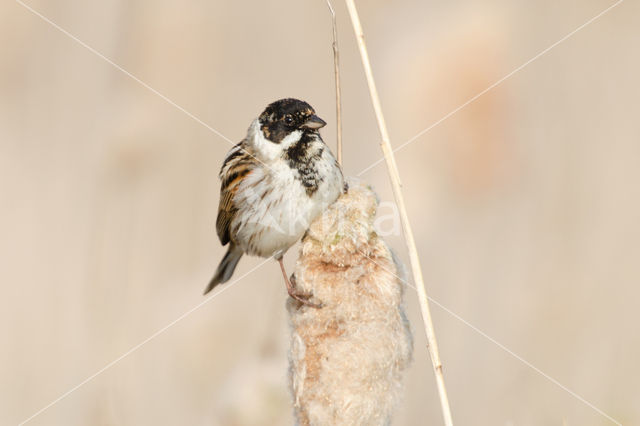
<point>266,149</point>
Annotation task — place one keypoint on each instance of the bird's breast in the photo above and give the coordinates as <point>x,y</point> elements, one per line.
<point>279,202</point>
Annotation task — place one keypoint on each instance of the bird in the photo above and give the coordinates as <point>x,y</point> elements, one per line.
<point>274,183</point>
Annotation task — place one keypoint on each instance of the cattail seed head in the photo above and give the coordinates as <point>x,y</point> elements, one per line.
<point>347,358</point>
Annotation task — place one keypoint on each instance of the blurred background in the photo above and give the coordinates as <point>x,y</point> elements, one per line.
<point>525,204</point>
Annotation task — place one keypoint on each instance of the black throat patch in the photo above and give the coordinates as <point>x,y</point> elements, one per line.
<point>303,156</point>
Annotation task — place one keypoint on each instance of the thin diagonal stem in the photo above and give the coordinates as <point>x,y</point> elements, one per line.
<point>394,176</point>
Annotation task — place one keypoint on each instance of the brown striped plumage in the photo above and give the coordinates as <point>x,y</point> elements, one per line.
<point>235,167</point>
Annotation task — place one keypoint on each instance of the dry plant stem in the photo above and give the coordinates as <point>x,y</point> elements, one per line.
<point>336,71</point>
<point>408,234</point>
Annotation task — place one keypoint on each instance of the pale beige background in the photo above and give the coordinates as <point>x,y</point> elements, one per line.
<point>525,204</point>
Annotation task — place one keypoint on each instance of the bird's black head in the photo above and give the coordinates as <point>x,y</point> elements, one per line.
<point>282,117</point>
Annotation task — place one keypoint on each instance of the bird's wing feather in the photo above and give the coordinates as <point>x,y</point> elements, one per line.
<point>238,163</point>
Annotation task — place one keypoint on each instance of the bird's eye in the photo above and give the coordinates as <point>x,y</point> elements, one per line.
<point>288,119</point>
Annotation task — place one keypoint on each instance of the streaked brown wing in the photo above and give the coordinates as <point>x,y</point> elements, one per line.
<point>226,213</point>
<point>236,166</point>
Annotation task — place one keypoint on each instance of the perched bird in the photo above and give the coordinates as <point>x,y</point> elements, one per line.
<point>274,184</point>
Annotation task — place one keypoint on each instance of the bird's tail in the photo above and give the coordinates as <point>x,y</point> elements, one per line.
<point>226,267</point>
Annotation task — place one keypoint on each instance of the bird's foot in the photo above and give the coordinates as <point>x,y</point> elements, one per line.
<point>299,296</point>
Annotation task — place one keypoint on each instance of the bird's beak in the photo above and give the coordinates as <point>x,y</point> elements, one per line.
<point>314,123</point>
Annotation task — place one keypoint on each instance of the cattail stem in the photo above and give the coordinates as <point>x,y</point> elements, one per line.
<point>394,176</point>
<point>336,72</point>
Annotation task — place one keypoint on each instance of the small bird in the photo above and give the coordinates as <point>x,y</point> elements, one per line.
<point>274,184</point>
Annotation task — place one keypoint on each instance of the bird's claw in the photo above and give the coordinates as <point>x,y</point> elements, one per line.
<point>303,298</point>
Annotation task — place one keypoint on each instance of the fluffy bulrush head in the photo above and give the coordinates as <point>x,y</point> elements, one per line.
<point>347,358</point>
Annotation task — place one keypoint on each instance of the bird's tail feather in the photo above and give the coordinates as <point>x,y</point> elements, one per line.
<point>226,267</point>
